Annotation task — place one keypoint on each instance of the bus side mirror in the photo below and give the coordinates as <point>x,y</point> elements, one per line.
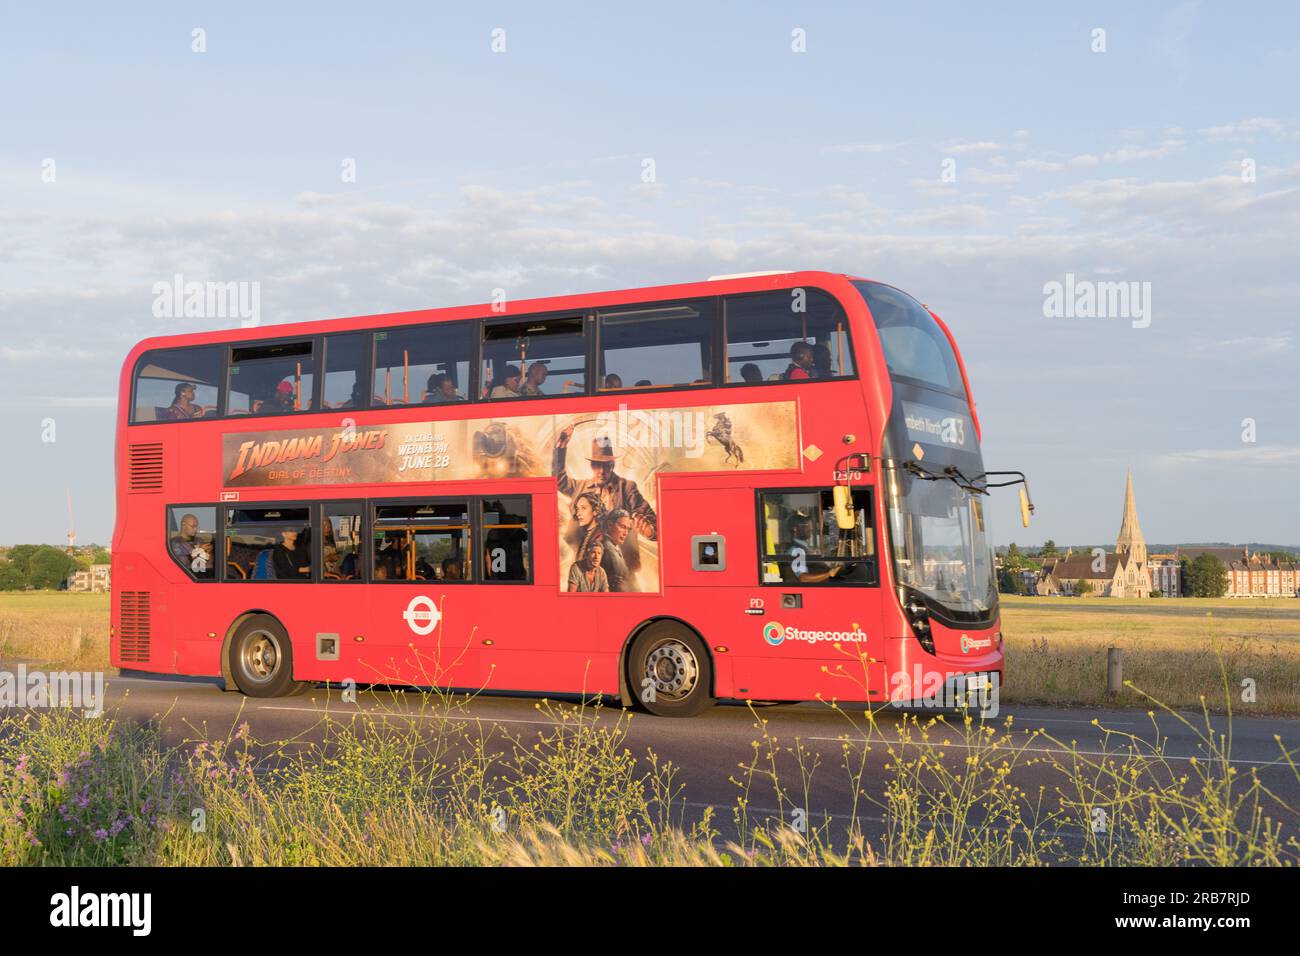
<point>1024,507</point>
<point>844,516</point>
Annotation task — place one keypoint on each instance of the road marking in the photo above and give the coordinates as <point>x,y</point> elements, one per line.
<point>1277,762</point>
<point>370,713</point>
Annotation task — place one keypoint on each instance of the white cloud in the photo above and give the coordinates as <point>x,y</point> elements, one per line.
<point>1254,456</point>
<point>1247,129</point>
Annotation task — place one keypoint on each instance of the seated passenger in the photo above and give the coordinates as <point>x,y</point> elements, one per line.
<point>289,560</point>
<point>751,373</point>
<point>644,383</point>
<point>190,550</point>
<point>182,405</point>
<point>441,388</point>
<point>613,381</point>
<point>452,570</point>
<point>348,566</point>
<point>283,401</point>
<point>801,362</point>
<point>507,386</point>
<point>537,373</point>
<point>822,361</point>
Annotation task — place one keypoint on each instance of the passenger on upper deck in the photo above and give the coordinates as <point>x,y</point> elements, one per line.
<point>440,388</point>
<point>537,373</point>
<point>182,405</point>
<point>801,362</point>
<point>507,386</point>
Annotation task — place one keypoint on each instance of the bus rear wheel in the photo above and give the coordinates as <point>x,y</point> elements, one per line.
<point>669,671</point>
<point>261,658</point>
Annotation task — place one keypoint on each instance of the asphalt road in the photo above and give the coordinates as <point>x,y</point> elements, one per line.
<point>710,748</point>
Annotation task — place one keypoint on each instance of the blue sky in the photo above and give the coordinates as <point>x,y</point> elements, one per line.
<point>522,170</point>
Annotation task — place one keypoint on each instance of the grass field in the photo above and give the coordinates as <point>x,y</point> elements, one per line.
<point>66,629</point>
<point>1176,650</point>
<point>1056,647</point>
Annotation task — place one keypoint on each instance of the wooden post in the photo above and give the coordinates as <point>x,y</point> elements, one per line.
<point>1114,671</point>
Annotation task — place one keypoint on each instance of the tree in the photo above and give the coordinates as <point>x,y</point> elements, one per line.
<point>49,568</point>
<point>1009,581</point>
<point>1083,586</point>
<point>1049,548</point>
<point>11,578</point>
<point>1207,577</point>
<point>21,556</point>
<point>100,556</point>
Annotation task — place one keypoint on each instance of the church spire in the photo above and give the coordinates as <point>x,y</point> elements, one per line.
<point>1130,540</point>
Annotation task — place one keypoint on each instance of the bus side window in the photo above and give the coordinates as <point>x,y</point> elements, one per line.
<point>802,542</point>
<point>422,542</point>
<point>656,347</point>
<point>268,544</point>
<point>340,543</point>
<point>423,364</point>
<point>271,379</point>
<point>506,528</point>
<point>191,539</point>
<point>531,359</point>
<point>792,335</point>
<point>178,384</point>
<point>346,357</point>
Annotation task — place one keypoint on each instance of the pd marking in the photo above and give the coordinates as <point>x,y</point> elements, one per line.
<point>422,615</point>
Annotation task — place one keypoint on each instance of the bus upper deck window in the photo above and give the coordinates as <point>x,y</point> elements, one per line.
<point>178,384</point>
<point>792,335</point>
<point>271,379</point>
<point>423,364</point>
<point>532,358</point>
<point>656,347</point>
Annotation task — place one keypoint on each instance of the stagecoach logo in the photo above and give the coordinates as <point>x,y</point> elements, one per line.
<point>777,634</point>
<point>422,615</point>
<point>968,643</point>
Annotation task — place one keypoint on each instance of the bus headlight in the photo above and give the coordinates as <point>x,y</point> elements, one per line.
<point>919,617</point>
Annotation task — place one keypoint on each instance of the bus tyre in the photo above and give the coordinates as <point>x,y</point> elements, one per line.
<point>669,671</point>
<point>261,658</point>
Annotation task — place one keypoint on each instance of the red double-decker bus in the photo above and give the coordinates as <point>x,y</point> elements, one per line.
<point>762,487</point>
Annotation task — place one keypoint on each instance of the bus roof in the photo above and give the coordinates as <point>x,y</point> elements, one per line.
<point>716,285</point>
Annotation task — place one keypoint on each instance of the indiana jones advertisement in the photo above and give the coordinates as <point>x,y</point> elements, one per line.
<point>605,464</point>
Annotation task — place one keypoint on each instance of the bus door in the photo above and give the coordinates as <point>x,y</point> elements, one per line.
<point>821,628</point>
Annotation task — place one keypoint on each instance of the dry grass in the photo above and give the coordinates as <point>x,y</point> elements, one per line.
<point>1173,649</point>
<point>67,630</point>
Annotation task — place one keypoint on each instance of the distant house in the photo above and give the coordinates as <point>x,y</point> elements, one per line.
<point>1252,575</point>
<point>94,580</point>
<point>1166,574</point>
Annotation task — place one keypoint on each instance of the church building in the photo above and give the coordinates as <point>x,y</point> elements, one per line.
<point>1124,573</point>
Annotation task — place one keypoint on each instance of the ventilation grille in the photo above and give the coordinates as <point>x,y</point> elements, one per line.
<point>134,627</point>
<point>145,467</point>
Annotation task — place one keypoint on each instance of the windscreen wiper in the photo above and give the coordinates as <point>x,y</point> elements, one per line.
<point>954,474</point>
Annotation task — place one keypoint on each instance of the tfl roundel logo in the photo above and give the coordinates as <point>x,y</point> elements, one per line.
<point>774,634</point>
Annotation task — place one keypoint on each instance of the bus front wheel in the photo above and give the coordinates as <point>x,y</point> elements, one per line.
<point>261,658</point>
<point>669,671</point>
